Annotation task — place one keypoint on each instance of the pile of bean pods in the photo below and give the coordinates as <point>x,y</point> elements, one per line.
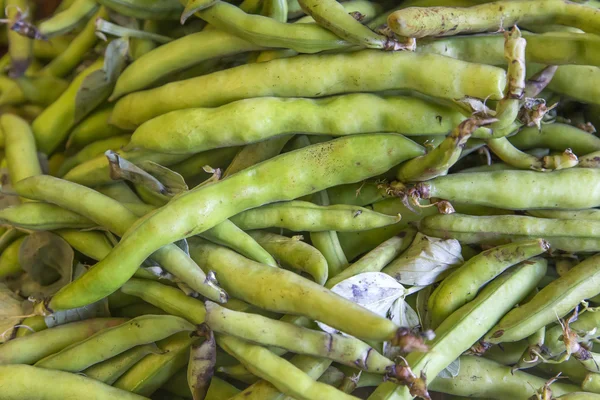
<point>300,199</point>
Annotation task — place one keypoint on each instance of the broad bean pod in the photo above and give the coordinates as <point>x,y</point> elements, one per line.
<point>253,120</point>
<point>316,76</point>
<point>574,188</point>
<point>357,194</point>
<point>32,348</point>
<point>282,374</point>
<point>92,150</point>
<point>552,301</point>
<point>378,258</point>
<point>9,259</point>
<point>66,20</point>
<point>110,370</point>
<point>21,154</point>
<point>302,216</point>
<point>290,294</point>
<point>122,193</point>
<point>494,381</point>
<point>118,219</point>
<point>146,9</point>
<point>580,396</point>
<point>52,126</point>
<point>27,382</point>
<point>43,217</point>
<point>93,128</point>
<point>340,161</point>
<point>138,310</point>
<point>294,254</point>
<point>556,137</point>
<point>420,22</point>
<point>192,170</point>
<point>255,153</point>
<point>467,324</point>
<point>111,342</point>
<point>591,214</point>
<point>462,285</point>
<point>584,88</point>
<point>269,332</point>
<point>20,47</point>
<point>152,371</point>
<point>562,234</point>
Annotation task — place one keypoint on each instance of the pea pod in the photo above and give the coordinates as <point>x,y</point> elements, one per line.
<point>340,161</point>
<point>562,234</point>
<point>290,294</point>
<point>110,370</point>
<point>293,253</point>
<point>573,188</point>
<point>467,324</point>
<point>253,120</point>
<point>31,348</point>
<point>26,382</point>
<point>113,341</point>
<point>304,216</point>
<point>462,285</point>
<point>316,76</point>
<point>556,299</point>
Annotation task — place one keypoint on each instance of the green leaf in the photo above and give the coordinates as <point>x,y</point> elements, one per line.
<point>48,261</point>
<point>98,85</point>
<point>11,312</point>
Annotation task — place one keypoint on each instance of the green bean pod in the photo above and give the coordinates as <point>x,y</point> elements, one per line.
<point>340,161</point>
<point>467,324</point>
<point>357,194</point>
<point>291,293</point>
<point>254,120</point>
<point>301,216</point>
<point>562,234</point>
<point>122,193</point>
<point>21,153</point>
<point>110,370</point>
<point>282,374</point>
<point>191,169</point>
<point>52,126</point>
<point>317,76</point>
<point>151,372</point>
<point>93,128</point>
<point>66,20</point>
<point>146,9</point>
<point>584,88</point>
<point>31,348</point>
<point>494,381</point>
<point>579,396</point>
<point>294,254</point>
<point>111,342</point>
<point>556,137</point>
<point>26,382</point>
<point>378,258</point>
<point>556,299</point>
<point>43,217</point>
<point>9,259</point>
<point>462,285</point>
<point>420,22</point>
<point>118,219</point>
<point>20,47</point>
<point>574,188</point>
<point>92,150</point>
<point>72,56</point>
<point>255,153</point>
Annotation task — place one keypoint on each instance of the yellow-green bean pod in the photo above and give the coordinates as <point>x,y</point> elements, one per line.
<point>110,370</point>
<point>9,259</point>
<point>31,325</point>
<point>20,46</point>
<point>93,128</point>
<point>32,348</point>
<point>19,144</point>
<point>302,216</point>
<point>26,382</point>
<point>317,76</point>
<point>93,244</point>
<point>255,153</point>
<point>43,217</point>
<point>146,9</point>
<point>556,137</point>
<point>66,20</point>
<point>93,150</point>
<point>192,170</point>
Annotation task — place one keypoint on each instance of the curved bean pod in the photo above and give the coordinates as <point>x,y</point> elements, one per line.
<point>357,194</point>
<point>146,9</point>
<point>192,170</point>
<point>579,396</point>
<point>574,188</point>
<point>293,294</point>
<point>304,216</point>
<point>556,299</point>
<point>9,259</point>
<point>26,382</point>
<point>255,153</point>
<point>340,161</point>
<point>21,153</point>
<point>43,217</point>
<point>462,285</point>
<point>31,348</point>
<point>556,137</point>
<point>293,253</point>
<point>316,76</point>
<point>420,22</point>
<point>111,342</point>
<point>378,258</point>
<point>592,214</point>
<point>64,21</point>
<point>150,373</point>
<point>467,324</point>
<point>93,128</point>
<point>93,150</point>
<point>254,120</point>
<point>268,332</point>
<point>110,370</point>
<point>118,219</point>
<point>20,47</point>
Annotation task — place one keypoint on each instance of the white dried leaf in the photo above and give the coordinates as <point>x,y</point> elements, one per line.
<point>11,312</point>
